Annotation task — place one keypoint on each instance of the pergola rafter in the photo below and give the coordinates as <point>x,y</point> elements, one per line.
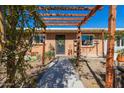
<point>61,19</point>
<point>92,12</point>
<point>65,8</point>
<point>54,17</point>
<point>61,24</point>
<point>63,15</point>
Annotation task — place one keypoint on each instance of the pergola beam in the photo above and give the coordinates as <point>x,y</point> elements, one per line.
<point>61,24</point>
<point>110,47</point>
<point>64,15</point>
<point>64,8</point>
<point>92,12</point>
<point>61,19</point>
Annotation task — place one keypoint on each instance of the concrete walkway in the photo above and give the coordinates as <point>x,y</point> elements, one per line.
<point>60,74</point>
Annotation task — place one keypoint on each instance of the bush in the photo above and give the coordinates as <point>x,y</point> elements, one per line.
<point>73,60</point>
<point>49,55</point>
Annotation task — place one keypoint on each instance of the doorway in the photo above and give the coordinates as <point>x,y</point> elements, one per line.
<point>60,44</point>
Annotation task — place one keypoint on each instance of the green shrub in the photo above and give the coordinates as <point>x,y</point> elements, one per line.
<point>49,55</point>
<point>73,60</point>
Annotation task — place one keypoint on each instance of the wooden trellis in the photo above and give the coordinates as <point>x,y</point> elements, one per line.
<point>68,19</point>
<point>53,17</point>
<point>59,19</point>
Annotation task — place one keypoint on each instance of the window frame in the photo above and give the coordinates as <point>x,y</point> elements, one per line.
<point>122,41</point>
<point>92,40</point>
<point>118,42</point>
<point>40,36</point>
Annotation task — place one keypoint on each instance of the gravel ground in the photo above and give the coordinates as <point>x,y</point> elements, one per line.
<point>32,72</point>
<point>61,74</point>
<point>92,72</point>
<point>2,75</point>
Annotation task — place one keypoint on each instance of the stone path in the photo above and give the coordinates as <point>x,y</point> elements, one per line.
<point>60,74</point>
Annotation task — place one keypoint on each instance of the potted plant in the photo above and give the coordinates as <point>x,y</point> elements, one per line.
<point>120,57</point>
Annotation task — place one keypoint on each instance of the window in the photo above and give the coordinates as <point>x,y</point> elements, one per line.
<point>87,40</point>
<point>38,38</point>
<point>118,42</point>
<point>122,42</point>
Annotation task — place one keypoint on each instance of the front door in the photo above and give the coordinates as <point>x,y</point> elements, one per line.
<point>60,44</point>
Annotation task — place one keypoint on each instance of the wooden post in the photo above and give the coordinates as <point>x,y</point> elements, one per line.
<point>78,44</point>
<point>43,52</point>
<point>110,47</point>
<point>103,43</point>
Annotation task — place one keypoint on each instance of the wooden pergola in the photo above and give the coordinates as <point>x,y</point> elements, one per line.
<point>76,19</point>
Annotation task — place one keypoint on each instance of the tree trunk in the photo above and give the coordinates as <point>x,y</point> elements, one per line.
<point>1,32</point>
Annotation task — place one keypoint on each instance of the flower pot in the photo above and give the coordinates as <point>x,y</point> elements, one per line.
<point>120,58</point>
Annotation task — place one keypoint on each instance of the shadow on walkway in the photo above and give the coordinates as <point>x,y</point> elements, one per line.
<point>60,75</point>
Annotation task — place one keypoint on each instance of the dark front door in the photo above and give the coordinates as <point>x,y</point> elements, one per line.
<point>60,44</point>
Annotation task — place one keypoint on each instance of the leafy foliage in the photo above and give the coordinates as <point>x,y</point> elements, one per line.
<point>120,52</point>
<point>18,40</point>
<point>73,60</point>
<point>118,34</point>
<point>51,53</point>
